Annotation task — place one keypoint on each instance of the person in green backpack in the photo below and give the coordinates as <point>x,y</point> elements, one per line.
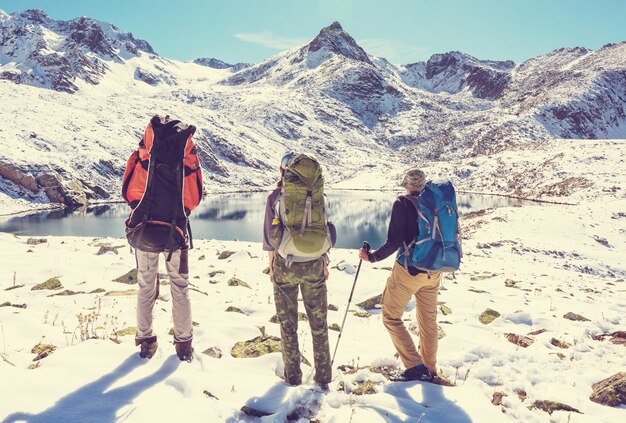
<point>297,238</point>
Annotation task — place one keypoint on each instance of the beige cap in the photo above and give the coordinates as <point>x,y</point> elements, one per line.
<point>414,180</point>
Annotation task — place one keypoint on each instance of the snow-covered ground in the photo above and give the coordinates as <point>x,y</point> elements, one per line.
<point>531,264</point>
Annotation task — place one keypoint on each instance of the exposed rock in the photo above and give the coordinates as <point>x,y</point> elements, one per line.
<point>496,399</point>
<point>127,292</point>
<point>488,316</point>
<point>15,174</point>
<point>365,388</point>
<point>560,344</point>
<point>538,332</point>
<point>131,330</point>
<point>210,395</point>
<point>618,338</point>
<point>19,305</point>
<point>36,241</point>
<point>225,254</point>
<point>301,318</point>
<point>52,283</point>
<point>97,291</point>
<point>213,352</point>
<point>256,347</point>
<point>253,412</point>
<point>371,303</point>
<point>129,278</point>
<point>69,193</point>
<point>108,248</point>
<point>5,304</point>
<point>266,270</point>
<point>610,391</point>
<point>510,283</point>
<point>445,309</point>
<point>575,317</point>
<point>552,406</point>
<point>238,282</point>
<point>233,309</point>
<point>14,287</point>
<point>42,350</point>
<point>66,293</point>
<point>333,307</point>
<point>202,257</point>
<point>414,328</point>
<point>521,340</point>
<point>216,272</point>
<point>335,327</point>
<point>362,314</point>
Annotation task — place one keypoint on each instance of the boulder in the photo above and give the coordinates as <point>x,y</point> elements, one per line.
<point>129,278</point>
<point>575,317</point>
<point>552,406</point>
<point>233,309</point>
<point>237,282</point>
<point>225,254</point>
<point>610,391</point>
<point>52,283</point>
<point>213,352</point>
<point>371,303</point>
<point>521,340</point>
<point>488,316</point>
<point>36,241</point>
<point>256,347</point>
<point>42,350</point>
<point>70,193</point>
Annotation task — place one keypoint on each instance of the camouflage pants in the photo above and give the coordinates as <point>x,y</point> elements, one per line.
<point>309,276</point>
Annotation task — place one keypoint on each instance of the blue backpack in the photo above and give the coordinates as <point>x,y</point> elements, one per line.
<point>437,248</point>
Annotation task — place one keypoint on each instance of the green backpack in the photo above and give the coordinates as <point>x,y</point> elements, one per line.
<point>303,232</point>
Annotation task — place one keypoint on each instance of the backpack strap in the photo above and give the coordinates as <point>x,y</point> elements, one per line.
<point>179,183</point>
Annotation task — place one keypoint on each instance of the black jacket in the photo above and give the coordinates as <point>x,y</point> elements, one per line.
<point>402,229</point>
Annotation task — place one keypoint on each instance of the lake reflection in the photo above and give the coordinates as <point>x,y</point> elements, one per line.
<point>358,216</point>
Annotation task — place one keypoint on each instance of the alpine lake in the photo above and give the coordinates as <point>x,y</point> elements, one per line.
<point>358,216</point>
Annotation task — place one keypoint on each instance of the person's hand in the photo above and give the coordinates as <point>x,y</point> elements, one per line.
<point>271,275</point>
<point>326,273</point>
<point>363,255</point>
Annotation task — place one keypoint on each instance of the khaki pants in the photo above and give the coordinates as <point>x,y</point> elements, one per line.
<point>178,272</point>
<point>401,286</point>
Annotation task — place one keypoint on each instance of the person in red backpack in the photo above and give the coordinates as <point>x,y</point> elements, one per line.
<point>163,184</point>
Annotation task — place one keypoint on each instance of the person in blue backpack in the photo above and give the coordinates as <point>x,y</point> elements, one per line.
<point>418,266</point>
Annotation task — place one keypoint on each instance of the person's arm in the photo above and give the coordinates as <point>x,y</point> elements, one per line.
<point>267,223</point>
<point>271,255</point>
<point>395,235</point>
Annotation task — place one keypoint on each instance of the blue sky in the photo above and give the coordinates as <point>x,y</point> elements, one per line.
<point>403,31</point>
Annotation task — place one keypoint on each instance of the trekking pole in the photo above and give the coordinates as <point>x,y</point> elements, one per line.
<point>366,247</point>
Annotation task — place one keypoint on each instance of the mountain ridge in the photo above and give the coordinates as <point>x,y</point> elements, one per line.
<point>328,97</point>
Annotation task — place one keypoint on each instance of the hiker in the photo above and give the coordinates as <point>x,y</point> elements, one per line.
<point>406,280</point>
<point>163,184</point>
<point>297,241</point>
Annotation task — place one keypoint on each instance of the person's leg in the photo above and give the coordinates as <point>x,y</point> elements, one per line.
<point>398,291</point>
<point>147,269</point>
<point>313,287</point>
<point>426,310</point>
<point>178,272</point>
<point>286,300</point>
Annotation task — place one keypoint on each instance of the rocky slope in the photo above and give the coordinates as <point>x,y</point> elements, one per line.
<point>355,111</point>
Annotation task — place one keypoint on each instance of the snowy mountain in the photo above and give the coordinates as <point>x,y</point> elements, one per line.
<point>39,51</point>
<point>329,97</point>
<point>211,62</point>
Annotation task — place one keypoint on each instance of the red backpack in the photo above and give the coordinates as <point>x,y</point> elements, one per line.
<point>162,184</point>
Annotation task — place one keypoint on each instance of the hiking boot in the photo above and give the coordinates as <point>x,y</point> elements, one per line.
<point>184,350</point>
<point>419,372</point>
<point>323,386</point>
<point>147,347</point>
